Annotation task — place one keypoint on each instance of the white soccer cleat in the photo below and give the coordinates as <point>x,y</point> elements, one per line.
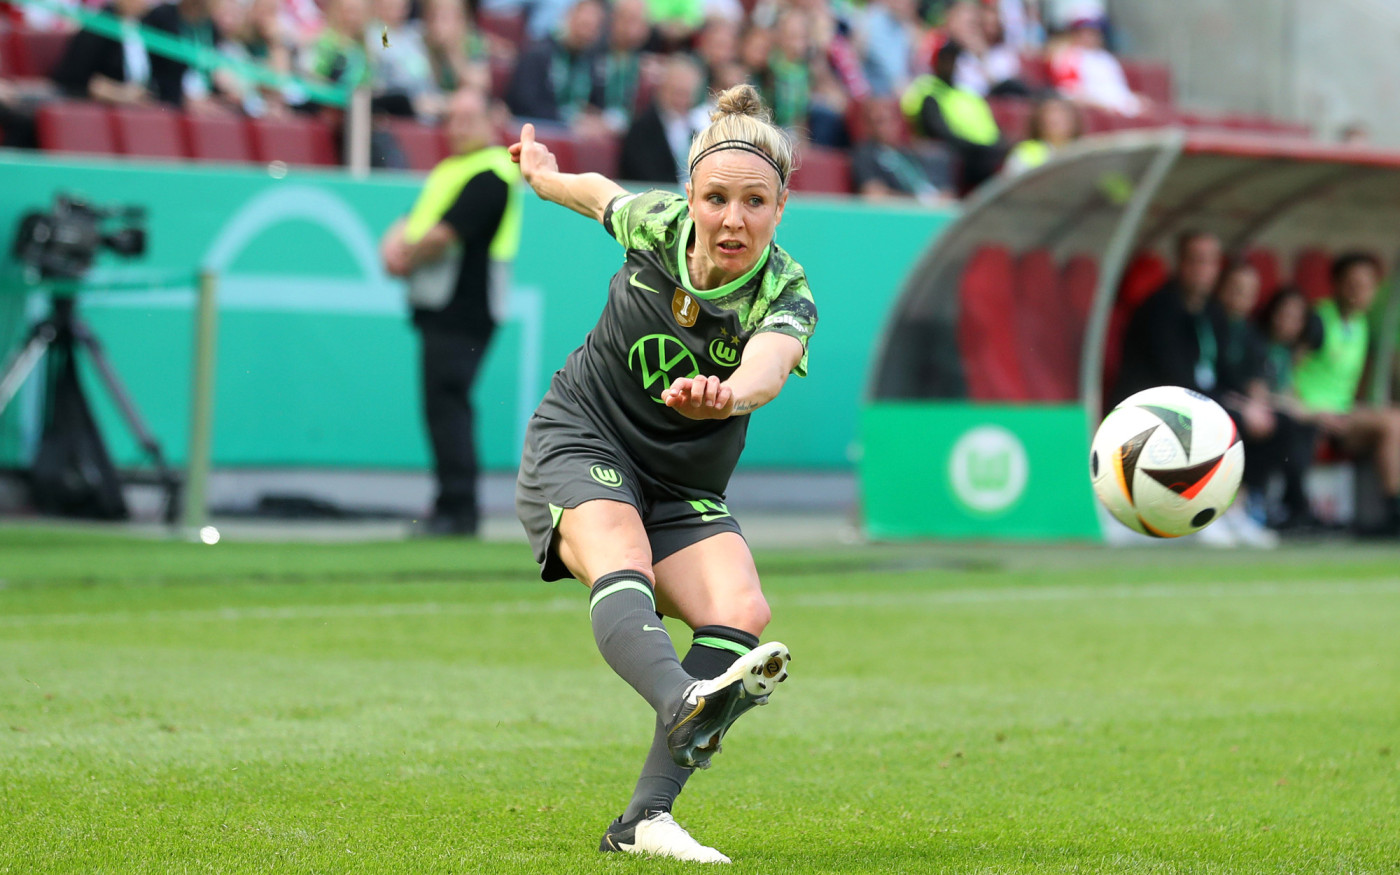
<point>658,835</point>
<point>710,707</point>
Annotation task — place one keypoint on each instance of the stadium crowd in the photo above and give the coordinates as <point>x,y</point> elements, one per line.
<point>921,99</point>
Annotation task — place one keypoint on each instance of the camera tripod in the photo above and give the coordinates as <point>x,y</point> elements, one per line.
<point>63,332</point>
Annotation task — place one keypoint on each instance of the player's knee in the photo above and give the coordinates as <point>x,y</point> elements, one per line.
<point>751,613</point>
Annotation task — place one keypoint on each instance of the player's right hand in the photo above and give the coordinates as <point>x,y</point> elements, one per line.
<point>534,158</point>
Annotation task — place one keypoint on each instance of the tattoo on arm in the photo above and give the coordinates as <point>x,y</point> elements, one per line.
<point>744,406</point>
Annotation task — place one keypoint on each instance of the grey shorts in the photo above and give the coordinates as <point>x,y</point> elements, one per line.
<point>565,464</point>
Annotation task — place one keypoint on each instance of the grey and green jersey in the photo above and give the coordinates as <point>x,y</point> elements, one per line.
<point>657,327</point>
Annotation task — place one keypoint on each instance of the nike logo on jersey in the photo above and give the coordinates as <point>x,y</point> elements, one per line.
<point>646,628</point>
<point>632,280</point>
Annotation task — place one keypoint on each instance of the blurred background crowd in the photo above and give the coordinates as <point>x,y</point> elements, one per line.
<point>920,99</point>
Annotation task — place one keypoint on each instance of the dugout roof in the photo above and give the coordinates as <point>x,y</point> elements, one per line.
<point>1017,301</point>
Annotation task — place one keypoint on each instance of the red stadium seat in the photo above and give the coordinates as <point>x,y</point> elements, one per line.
<point>1265,263</point>
<point>598,155</point>
<point>1079,280</point>
<point>501,71</point>
<point>822,170</point>
<point>1049,356</point>
<point>510,27</point>
<point>75,126</point>
<point>1144,275</point>
<point>1150,79</point>
<point>1312,272</point>
<point>35,52</point>
<point>7,54</point>
<point>422,145</point>
<point>1035,71</point>
<point>858,117</point>
<point>218,138</point>
<point>561,143</point>
<point>293,140</point>
<point>986,331</point>
<point>149,131</point>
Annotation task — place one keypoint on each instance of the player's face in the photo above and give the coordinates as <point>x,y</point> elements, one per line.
<point>1356,288</point>
<point>736,205</point>
<point>1240,291</point>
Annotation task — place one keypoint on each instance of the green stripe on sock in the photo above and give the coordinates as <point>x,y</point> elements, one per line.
<point>619,586</point>
<point>721,644</point>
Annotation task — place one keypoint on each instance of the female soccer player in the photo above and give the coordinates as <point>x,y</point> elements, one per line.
<point>628,456</point>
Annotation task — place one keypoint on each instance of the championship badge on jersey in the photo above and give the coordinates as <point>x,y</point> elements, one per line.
<point>685,308</point>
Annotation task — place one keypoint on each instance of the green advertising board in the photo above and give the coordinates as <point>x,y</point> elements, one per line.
<point>958,470</point>
<point>317,362</point>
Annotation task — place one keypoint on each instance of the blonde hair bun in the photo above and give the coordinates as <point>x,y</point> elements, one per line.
<point>741,99</point>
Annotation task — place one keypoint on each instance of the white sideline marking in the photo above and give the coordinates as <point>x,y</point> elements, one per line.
<point>816,600</point>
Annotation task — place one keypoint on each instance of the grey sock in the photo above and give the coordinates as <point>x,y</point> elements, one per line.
<point>713,650</point>
<point>634,642</point>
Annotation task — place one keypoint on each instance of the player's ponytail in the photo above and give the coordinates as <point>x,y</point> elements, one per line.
<point>741,121</point>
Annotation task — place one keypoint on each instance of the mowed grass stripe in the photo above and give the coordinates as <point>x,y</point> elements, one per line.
<point>848,599</point>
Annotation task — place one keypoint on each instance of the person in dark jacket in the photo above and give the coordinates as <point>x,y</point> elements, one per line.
<point>121,72</point>
<point>658,141</point>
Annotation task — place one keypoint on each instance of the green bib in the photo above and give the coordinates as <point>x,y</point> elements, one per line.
<point>967,113</point>
<point>1327,379</point>
<point>446,182</point>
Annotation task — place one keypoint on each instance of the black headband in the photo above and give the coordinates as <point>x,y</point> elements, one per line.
<point>743,146</point>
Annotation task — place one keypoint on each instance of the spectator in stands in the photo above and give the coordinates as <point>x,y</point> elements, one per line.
<point>787,81</point>
<point>1242,390</point>
<point>339,50</point>
<point>201,90</point>
<point>465,223</point>
<point>716,47</point>
<point>1054,124</point>
<point>657,144</point>
<point>1328,378</point>
<point>255,34</point>
<point>555,79</point>
<point>799,84</point>
<point>629,31</point>
<point>1084,71</point>
<point>887,38</point>
<point>403,79</point>
<point>1288,334</point>
<point>457,51</point>
<point>960,119</point>
<point>1170,339</point>
<point>16,117</point>
<point>885,166</point>
<point>1354,134</point>
<point>987,65</point>
<point>121,72</point>
<point>677,21</point>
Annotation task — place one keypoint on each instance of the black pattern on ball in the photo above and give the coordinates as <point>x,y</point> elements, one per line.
<point>1203,517</point>
<point>1094,464</point>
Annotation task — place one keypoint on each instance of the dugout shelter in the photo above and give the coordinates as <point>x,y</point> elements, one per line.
<point>989,377</point>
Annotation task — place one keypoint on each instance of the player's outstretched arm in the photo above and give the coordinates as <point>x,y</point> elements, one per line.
<point>587,193</point>
<point>768,359</point>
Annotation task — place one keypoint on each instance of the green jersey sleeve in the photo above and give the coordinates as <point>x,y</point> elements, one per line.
<point>789,308</point>
<point>649,220</point>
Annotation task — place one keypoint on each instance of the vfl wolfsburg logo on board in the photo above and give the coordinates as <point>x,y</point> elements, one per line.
<point>606,476</point>
<point>988,469</point>
<point>660,360</point>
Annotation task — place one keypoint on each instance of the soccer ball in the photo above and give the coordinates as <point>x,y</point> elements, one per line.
<point>1167,462</point>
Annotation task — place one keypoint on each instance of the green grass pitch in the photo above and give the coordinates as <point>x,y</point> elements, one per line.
<point>432,708</point>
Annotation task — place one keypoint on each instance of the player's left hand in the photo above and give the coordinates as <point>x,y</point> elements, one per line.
<point>700,398</point>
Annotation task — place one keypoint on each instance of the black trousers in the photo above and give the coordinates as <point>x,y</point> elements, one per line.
<point>450,360</point>
<point>1288,451</point>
